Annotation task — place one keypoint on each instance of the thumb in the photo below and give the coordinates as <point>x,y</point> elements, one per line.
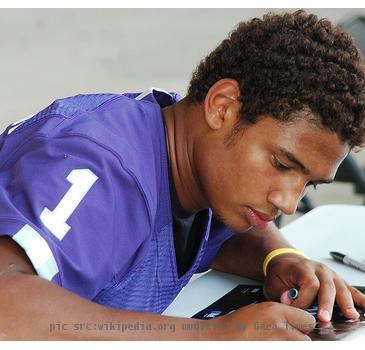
<point>300,319</point>
<point>285,298</point>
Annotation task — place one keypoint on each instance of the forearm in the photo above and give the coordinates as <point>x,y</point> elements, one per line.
<point>35,309</point>
<point>244,253</point>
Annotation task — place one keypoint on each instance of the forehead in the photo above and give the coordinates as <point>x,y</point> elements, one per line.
<point>320,150</point>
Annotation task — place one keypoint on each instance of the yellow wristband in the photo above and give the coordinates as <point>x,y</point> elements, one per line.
<point>280,251</point>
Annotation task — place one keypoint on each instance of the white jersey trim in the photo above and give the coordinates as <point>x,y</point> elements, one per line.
<point>18,123</point>
<point>38,251</point>
<point>150,91</point>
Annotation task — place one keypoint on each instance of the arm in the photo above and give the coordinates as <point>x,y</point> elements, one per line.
<point>34,308</point>
<point>243,254</point>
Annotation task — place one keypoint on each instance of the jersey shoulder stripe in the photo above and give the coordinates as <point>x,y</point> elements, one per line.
<point>70,105</point>
<point>66,107</point>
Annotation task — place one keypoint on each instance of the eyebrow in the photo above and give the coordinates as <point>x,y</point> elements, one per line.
<point>290,156</point>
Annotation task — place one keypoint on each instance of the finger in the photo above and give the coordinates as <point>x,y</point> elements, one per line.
<point>326,331</point>
<point>304,278</point>
<point>299,337</point>
<point>295,334</point>
<point>285,299</point>
<point>326,296</point>
<point>345,301</point>
<point>308,289</point>
<point>357,296</point>
<point>302,320</point>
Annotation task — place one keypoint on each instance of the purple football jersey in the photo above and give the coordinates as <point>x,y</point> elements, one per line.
<point>84,191</point>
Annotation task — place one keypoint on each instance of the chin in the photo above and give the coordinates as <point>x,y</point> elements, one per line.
<point>235,225</point>
<point>242,228</point>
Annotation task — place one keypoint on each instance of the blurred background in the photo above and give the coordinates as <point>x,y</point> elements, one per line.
<point>52,53</point>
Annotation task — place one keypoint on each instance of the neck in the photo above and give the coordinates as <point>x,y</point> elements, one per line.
<point>180,141</point>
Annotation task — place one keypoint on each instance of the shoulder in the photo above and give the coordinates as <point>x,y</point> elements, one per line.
<point>119,136</point>
<point>75,210</point>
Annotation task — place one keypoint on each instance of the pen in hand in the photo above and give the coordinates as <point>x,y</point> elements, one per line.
<point>289,296</point>
<point>345,259</point>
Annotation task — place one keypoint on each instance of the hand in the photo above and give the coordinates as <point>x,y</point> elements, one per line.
<point>264,321</point>
<point>313,279</point>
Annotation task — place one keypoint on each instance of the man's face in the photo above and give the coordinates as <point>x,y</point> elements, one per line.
<point>266,170</point>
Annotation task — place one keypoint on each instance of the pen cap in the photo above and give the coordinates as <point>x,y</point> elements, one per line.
<point>337,256</point>
<point>293,293</point>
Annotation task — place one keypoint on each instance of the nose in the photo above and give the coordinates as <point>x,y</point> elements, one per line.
<point>286,200</point>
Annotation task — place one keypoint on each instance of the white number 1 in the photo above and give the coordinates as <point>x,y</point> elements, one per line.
<point>81,180</point>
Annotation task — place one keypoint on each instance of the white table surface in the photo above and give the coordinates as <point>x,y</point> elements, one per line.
<point>324,229</point>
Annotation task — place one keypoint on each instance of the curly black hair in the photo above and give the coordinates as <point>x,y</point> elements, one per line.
<point>289,63</point>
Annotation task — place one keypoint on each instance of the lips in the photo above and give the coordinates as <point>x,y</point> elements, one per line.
<point>256,219</point>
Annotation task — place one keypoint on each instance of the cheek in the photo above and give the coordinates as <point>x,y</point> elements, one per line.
<point>209,169</point>
<point>256,172</point>
<point>245,179</point>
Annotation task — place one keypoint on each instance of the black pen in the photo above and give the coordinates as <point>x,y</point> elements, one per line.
<point>345,259</point>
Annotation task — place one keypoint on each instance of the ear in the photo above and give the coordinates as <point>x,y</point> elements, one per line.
<point>221,103</point>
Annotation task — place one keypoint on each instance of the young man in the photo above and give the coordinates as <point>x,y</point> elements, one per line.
<point>110,203</point>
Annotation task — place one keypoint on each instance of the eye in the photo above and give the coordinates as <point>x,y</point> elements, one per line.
<point>278,165</point>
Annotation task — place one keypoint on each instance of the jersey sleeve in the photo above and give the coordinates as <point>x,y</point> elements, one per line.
<point>76,210</point>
